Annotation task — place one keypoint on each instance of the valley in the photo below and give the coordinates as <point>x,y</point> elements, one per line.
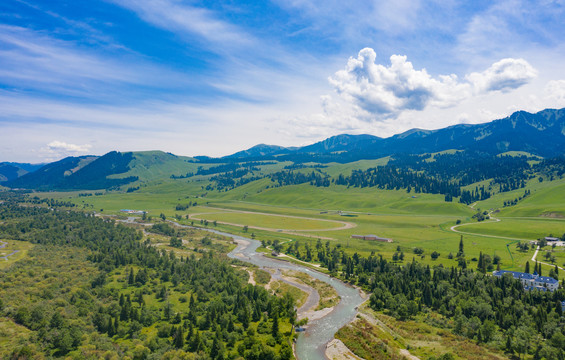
<point>420,234</point>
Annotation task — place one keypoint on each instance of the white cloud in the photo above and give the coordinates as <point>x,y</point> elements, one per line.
<point>70,148</point>
<point>555,90</point>
<point>504,75</point>
<point>185,18</point>
<point>386,91</point>
<point>56,150</point>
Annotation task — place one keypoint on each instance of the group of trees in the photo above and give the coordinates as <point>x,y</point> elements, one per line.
<point>473,303</point>
<point>391,177</point>
<point>315,178</point>
<point>516,200</point>
<point>224,317</point>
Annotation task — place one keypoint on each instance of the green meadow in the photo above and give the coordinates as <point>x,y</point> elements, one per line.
<point>282,222</point>
<point>412,220</point>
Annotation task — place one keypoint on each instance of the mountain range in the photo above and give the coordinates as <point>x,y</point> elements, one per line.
<point>541,134</point>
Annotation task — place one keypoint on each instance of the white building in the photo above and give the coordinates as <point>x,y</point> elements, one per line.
<point>531,281</point>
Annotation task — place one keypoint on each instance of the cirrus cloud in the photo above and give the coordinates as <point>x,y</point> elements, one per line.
<point>386,91</point>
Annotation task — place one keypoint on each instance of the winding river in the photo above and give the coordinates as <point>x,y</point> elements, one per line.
<point>311,344</point>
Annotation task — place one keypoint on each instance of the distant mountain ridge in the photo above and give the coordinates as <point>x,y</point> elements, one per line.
<point>542,133</point>
<point>82,172</point>
<point>261,150</point>
<point>12,170</point>
<point>111,170</point>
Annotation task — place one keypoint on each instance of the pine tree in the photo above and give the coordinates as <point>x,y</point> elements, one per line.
<point>196,344</point>
<point>217,350</point>
<point>110,327</point>
<point>178,339</point>
<point>131,278</point>
<point>275,328</point>
<point>461,252</point>
<point>527,267</point>
<point>509,344</point>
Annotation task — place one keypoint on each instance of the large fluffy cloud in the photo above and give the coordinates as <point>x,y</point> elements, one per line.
<point>504,75</point>
<point>386,91</point>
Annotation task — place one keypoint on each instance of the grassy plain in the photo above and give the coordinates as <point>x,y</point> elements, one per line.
<point>411,220</point>
<point>519,228</point>
<point>266,220</point>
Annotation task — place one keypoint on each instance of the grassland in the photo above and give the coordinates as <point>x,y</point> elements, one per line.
<point>273,221</point>
<point>411,220</point>
<point>519,228</point>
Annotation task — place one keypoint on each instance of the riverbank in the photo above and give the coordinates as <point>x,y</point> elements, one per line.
<point>336,350</point>
<point>324,324</point>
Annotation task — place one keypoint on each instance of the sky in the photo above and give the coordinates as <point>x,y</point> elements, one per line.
<point>216,77</point>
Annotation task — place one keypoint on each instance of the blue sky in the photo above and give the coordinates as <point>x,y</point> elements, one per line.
<point>215,77</point>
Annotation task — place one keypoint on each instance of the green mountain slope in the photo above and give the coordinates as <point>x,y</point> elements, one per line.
<point>109,171</point>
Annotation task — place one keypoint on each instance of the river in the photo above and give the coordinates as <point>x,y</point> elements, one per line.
<point>311,344</point>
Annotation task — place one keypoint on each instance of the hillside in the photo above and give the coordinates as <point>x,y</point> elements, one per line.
<point>105,172</point>
<point>10,170</point>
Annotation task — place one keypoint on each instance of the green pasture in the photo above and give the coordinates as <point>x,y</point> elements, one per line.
<point>519,228</point>
<point>411,220</point>
<point>547,198</point>
<point>151,165</point>
<point>337,197</point>
<point>267,221</point>
<point>558,253</point>
<point>335,169</point>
